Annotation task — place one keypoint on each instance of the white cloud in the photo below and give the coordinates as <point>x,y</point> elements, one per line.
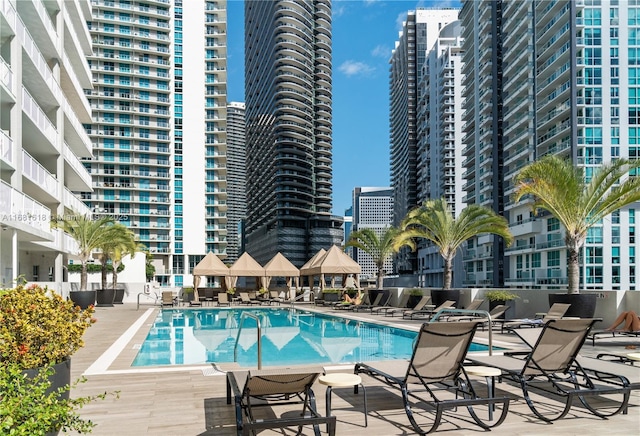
<point>337,11</point>
<point>370,2</point>
<point>353,68</point>
<point>402,17</point>
<point>381,51</point>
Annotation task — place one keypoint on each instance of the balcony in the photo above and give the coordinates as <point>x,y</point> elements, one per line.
<point>20,212</point>
<point>40,121</point>
<point>76,176</point>
<point>42,179</point>
<point>72,202</point>
<point>8,91</point>
<point>6,151</point>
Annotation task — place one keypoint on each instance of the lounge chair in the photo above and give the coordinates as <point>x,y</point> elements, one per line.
<point>597,334</point>
<point>167,299</point>
<point>276,387</point>
<point>551,369</point>
<point>381,300</point>
<point>223,299</point>
<point>421,314</point>
<point>401,305</point>
<point>435,369</point>
<point>474,305</point>
<point>556,311</point>
<point>244,299</point>
<point>495,313</point>
<point>401,310</point>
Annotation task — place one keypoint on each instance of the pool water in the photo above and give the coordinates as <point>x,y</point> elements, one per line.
<point>289,337</point>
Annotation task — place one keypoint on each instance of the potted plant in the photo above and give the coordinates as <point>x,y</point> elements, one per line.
<point>187,294</point>
<point>561,188</point>
<point>90,235</point>
<point>39,331</point>
<point>498,297</point>
<point>331,294</point>
<point>415,295</point>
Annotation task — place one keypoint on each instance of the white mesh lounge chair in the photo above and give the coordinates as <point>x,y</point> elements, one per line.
<point>244,299</point>
<point>552,370</point>
<point>266,388</point>
<point>435,377</point>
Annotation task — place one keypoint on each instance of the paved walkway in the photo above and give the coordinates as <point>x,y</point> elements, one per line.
<point>191,401</point>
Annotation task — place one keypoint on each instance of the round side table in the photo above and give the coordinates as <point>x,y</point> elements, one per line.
<point>342,380</point>
<point>633,356</point>
<point>488,373</point>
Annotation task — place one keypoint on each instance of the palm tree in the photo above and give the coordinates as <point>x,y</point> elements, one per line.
<point>561,188</point>
<point>90,235</point>
<point>120,243</point>
<point>435,221</point>
<point>379,248</point>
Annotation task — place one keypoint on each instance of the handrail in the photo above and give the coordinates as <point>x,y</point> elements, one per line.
<point>235,348</point>
<point>146,295</point>
<point>299,297</point>
<point>483,313</point>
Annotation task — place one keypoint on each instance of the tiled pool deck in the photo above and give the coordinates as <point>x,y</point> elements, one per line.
<point>166,401</point>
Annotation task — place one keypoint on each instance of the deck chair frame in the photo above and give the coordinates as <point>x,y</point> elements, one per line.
<point>424,300</point>
<point>267,388</point>
<point>556,311</point>
<point>402,304</point>
<point>552,368</point>
<point>421,314</point>
<point>432,371</point>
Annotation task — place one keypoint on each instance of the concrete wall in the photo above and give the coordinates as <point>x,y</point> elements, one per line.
<point>609,305</point>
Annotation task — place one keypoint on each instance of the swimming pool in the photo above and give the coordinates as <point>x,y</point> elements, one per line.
<point>289,337</point>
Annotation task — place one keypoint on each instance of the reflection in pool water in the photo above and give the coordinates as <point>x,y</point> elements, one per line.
<point>289,337</point>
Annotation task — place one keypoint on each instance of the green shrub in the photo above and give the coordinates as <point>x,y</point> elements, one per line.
<point>29,407</point>
<point>416,292</point>
<point>500,295</point>
<point>38,327</point>
<point>93,268</point>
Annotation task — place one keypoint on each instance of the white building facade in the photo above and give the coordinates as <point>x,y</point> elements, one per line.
<point>43,73</point>
<point>439,137</point>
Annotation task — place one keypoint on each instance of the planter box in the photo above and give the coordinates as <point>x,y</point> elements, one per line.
<point>84,299</point>
<point>582,305</point>
<point>119,296</point>
<point>439,296</point>
<point>105,297</point>
<point>330,296</point>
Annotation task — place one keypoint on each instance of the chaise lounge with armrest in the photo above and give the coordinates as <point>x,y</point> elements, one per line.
<point>435,376</point>
<point>275,387</point>
<point>427,314</point>
<point>552,369</point>
<point>422,303</point>
<point>556,311</point>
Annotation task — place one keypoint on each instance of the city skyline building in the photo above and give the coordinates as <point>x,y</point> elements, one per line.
<point>288,93</point>
<point>43,74</point>
<point>372,209</point>
<point>131,127</point>
<point>563,83</point>
<point>419,32</point>
<point>439,145</point>
<point>200,212</point>
<point>236,180</point>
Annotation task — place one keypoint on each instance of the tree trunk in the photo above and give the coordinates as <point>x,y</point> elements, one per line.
<point>573,244</point>
<point>103,275</point>
<point>114,275</point>
<point>83,277</point>
<point>380,278</point>
<point>447,274</point>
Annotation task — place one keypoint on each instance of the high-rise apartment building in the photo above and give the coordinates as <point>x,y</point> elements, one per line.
<point>131,127</point>
<point>288,136</point>
<point>549,78</point>
<point>439,144</point>
<point>236,180</point>
<point>372,209</point>
<point>419,33</point>
<point>43,72</point>
<point>200,210</point>
<point>150,140</point>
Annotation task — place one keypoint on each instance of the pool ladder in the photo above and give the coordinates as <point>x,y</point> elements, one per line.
<point>243,317</point>
<point>483,313</point>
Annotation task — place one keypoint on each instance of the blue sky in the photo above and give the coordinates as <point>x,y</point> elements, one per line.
<point>364,33</point>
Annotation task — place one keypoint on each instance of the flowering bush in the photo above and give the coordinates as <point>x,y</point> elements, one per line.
<point>38,327</point>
